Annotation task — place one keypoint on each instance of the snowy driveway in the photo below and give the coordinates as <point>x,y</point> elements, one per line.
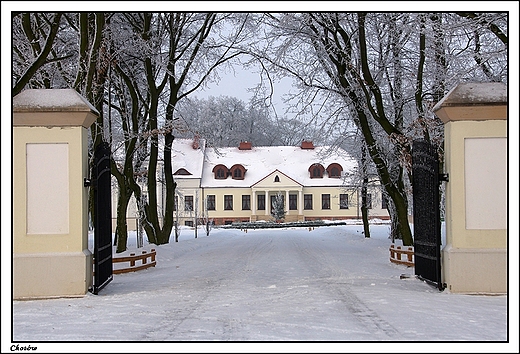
<point>329,284</point>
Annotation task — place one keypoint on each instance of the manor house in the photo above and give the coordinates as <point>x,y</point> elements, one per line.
<point>241,184</point>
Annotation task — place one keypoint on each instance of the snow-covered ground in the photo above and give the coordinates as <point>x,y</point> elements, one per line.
<point>278,287</point>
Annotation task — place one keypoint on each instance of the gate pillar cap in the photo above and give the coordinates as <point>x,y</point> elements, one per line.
<point>473,101</point>
<point>52,107</point>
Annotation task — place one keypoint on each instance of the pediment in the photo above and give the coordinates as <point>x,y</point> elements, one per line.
<point>277,179</point>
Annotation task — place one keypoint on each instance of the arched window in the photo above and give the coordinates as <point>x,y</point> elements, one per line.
<point>238,171</point>
<point>316,170</point>
<point>276,178</point>
<point>334,170</point>
<point>220,171</point>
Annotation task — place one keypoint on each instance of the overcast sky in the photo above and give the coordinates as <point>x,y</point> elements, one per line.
<point>240,83</point>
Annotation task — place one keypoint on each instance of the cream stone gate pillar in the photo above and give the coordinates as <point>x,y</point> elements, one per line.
<point>50,219</point>
<point>474,259</point>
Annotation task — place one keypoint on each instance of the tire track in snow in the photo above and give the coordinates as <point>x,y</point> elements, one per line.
<point>208,313</point>
<point>325,267</point>
<point>239,259</point>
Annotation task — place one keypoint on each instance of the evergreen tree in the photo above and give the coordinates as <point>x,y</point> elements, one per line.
<point>278,209</point>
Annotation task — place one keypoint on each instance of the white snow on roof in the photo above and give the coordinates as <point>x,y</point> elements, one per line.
<point>261,161</point>
<point>186,157</point>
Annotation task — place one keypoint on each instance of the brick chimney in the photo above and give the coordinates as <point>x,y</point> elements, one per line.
<point>196,142</point>
<point>308,145</point>
<point>244,145</point>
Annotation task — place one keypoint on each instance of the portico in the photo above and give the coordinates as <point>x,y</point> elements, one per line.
<point>268,187</point>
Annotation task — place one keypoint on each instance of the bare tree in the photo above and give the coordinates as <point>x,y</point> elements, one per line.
<point>40,32</point>
<point>383,72</point>
<point>380,71</point>
<point>183,51</point>
<point>226,121</point>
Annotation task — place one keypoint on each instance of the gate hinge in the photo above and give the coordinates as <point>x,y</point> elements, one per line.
<point>86,182</point>
<point>444,177</point>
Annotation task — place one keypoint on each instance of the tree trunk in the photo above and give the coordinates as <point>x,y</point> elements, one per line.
<point>152,226</point>
<point>168,222</point>
<point>151,204</point>
<point>393,190</point>
<point>364,211</point>
<point>400,225</point>
<point>122,227</point>
<point>393,187</point>
<point>364,207</point>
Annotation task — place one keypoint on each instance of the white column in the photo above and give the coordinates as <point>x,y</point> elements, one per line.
<point>287,201</point>
<point>300,202</point>
<point>253,202</point>
<point>267,203</point>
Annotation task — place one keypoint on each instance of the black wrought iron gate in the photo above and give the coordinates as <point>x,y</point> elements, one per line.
<point>426,212</point>
<point>102,218</point>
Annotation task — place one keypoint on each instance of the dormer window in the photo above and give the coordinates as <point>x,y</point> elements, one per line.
<point>238,171</point>
<point>220,171</point>
<point>182,172</point>
<point>221,174</point>
<point>334,170</point>
<point>316,170</point>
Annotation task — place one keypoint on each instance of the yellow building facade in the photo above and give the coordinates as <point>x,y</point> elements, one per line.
<point>241,184</point>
